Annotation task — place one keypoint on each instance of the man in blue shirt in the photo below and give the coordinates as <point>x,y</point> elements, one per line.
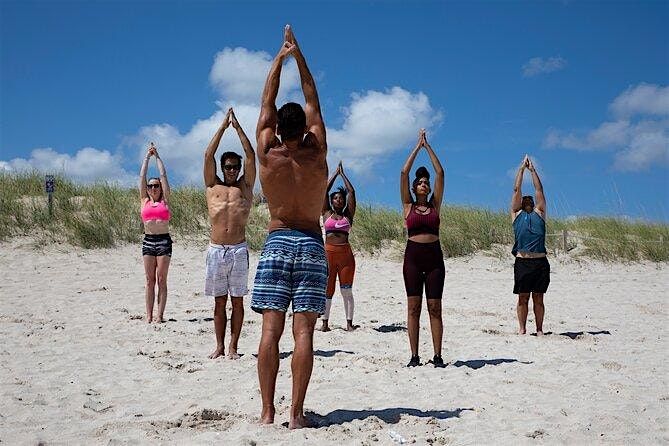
<point>531,268</point>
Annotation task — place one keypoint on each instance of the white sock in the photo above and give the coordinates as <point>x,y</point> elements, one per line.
<point>347,295</point>
<point>328,305</point>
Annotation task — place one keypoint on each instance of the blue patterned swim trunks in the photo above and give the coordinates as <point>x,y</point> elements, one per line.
<point>292,267</point>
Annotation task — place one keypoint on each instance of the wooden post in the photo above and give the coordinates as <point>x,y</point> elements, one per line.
<point>564,240</point>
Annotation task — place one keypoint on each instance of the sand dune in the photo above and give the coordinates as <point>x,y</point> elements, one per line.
<point>80,366</point>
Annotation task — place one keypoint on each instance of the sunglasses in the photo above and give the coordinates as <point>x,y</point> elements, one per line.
<point>232,167</point>
<point>153,186</point>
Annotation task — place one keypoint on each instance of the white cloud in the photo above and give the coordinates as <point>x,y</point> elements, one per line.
<point>649,144</point>
<point>87,165</point>
<point>238,75</point>
<point>539,65</point>
<point>608,136</point>
<point>647,99</point>
<point>183,154</point>
<point>378,123</point>
<point>375,123</point>
<point>639,136</point>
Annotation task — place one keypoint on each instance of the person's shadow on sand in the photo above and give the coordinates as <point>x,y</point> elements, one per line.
<point>390,415</point>
<point>390,328</point>
<point>577,334</point>
<point>322,353</point>
<point>478,363</point>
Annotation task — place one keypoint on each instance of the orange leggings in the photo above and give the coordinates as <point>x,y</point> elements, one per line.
<point>340,262</point>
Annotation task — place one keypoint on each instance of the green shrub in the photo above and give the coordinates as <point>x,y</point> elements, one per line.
<point>103,214</point>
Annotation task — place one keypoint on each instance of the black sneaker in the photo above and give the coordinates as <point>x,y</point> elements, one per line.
<point>438,362</point>
<point>415,361</point>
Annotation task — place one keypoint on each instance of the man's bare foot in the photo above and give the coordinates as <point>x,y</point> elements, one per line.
<point>351,327</point>
<point>267,415</point>
<point>325,327</point>
<point>232,353</point>
<point>149,319</point>
<point>522,332</point>
<point>220,351</point>
<point>299,422</point>
<point>540,333</point>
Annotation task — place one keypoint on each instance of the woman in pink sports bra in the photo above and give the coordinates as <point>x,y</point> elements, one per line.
<point>423,259</point>
<point>157,244</point>
<point>338,212</point>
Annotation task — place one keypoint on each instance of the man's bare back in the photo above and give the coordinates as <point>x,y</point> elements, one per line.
<point>292,268</point>
<point>294,181</point>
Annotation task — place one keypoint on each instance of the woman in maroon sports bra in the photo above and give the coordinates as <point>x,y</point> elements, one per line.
<point>423,258</point>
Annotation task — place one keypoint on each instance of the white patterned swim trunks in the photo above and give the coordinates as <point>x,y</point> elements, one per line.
<point>227,270</point>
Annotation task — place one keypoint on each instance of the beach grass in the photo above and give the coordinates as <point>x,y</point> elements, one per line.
<point>102,215</point>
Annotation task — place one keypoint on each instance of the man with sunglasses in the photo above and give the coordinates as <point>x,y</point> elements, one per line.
<point>229,203</point>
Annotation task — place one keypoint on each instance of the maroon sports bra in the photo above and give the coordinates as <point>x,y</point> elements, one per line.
<point>422,223</point>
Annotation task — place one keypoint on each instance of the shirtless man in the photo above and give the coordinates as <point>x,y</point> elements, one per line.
<point>531,269</point>
<point>292,266</point>
<point>229,203</point>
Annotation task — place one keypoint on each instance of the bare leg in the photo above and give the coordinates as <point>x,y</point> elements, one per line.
<point>349,307</point>
<point>538,304</point>
<point>326,316</point>
<point>436,324</point>
<point>413,321</point>
<point>268,360</point>
<point>301,365</point>
<point>220,320</point>
<point>236,322</point>
<point>521,309</point>
<point>150,293</point>
<point>163,265</point>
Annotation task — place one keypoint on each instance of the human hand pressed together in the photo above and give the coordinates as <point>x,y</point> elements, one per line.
<point>233,119</point>
<point>153,151</point>
<point>226,120</point>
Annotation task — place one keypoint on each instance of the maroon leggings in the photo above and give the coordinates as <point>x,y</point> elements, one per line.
<point>424,265</point>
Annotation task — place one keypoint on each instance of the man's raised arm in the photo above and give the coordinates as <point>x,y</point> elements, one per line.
<point>249,154</point>
<point>517,197</point>
<point>312,109</point>
<point>540,202</point>
<point>266,128</point>
<point>210,178</point>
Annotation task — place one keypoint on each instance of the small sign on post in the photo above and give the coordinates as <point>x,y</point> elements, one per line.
<point>49,186</point>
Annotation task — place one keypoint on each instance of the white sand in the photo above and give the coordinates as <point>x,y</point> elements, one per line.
<point>79,365</point>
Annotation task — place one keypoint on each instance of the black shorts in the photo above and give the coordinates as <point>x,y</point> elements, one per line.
<point>531,275</point>
<point>424,266</point>
<point>157,245</point>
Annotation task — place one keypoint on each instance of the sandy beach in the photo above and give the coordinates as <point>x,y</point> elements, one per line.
<point>81,366</point>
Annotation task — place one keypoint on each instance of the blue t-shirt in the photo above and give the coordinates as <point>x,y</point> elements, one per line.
<point>530,233</point>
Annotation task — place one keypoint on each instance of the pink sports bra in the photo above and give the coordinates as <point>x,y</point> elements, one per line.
<point>155,211</point>
<point>341,225</point>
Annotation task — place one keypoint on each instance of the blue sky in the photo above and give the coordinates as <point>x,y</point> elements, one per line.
<point>580,86</point>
